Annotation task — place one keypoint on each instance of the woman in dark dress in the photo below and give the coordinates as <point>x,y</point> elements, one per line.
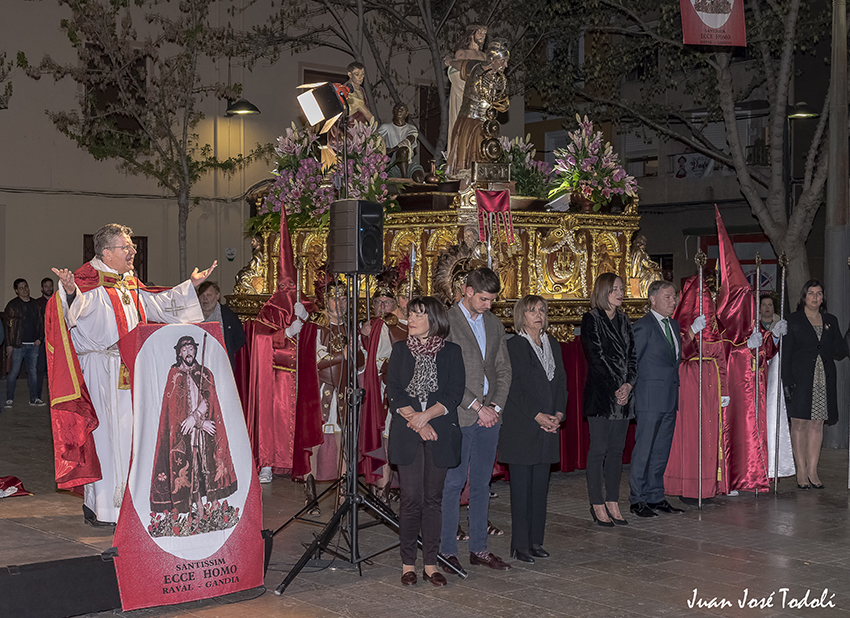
<point>528,440</point>
<point>609,344</point>
<point>811,347</point>
<point>425,384</point>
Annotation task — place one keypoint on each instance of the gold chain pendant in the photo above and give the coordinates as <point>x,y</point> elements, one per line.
<point>125,295</point>
<point>339,341</point>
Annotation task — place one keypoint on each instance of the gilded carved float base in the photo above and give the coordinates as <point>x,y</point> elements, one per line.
<point>557,255</point>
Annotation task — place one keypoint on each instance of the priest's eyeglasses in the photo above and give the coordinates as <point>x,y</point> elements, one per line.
<point>126,248</point>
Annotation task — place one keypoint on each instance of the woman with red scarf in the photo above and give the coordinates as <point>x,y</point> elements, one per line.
<point>425,385</point>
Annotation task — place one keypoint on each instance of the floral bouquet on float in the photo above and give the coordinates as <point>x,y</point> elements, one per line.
<point>309,177</point>
<point>589,169</point>
<point>532,177</point>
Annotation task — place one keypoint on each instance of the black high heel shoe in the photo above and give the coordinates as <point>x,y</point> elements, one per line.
<point>619,522</point>
<point>604,524</point>
<point>804,486</point>
<point>816,485</point>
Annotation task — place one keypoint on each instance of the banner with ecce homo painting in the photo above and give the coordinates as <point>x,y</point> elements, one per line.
<point>191,516</point>
<point>713,22</point>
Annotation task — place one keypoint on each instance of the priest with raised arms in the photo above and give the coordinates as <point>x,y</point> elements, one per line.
<point>92,417</point>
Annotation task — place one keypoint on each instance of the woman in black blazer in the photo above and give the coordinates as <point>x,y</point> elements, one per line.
<point>425,384</point>
<point>811,347</point>
<point>609,344</point>
<point>528,440</point>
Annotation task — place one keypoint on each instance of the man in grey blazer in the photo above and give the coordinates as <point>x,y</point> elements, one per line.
<point>658,345</point>
<point>481,336</point>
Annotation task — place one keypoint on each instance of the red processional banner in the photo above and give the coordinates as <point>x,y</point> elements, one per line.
<point>713,22</point>
<point>191,516</point>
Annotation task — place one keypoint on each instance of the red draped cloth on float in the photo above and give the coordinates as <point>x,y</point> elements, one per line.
<point>575,435</point>
<point>494,206</point>
<point>745,433</point>
<point>373,412</point>
<point>682,475</point>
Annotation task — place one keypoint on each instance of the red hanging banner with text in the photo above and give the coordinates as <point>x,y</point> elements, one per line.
<point>713,22</point>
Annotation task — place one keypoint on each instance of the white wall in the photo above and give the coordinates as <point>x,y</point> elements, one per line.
<point>52,193</point>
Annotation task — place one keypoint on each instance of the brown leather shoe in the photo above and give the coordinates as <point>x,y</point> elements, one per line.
<point>492,561</point>
<point>409,578</point>
<point>436,579</point>
<point>452,560</point>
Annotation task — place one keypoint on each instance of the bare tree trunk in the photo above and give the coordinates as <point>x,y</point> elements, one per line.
<point>837,242</point>
<point>425,10</point>
<point>798,267</point>
<point>182,220</point>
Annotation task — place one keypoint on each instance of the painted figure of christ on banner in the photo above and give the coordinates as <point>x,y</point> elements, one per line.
<point>191,518</point>
<point>192,465</point>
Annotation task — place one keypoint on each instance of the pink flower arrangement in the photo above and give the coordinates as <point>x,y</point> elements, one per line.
<point>305,191</point>
<point>532,177</point>
<point>590,167</point>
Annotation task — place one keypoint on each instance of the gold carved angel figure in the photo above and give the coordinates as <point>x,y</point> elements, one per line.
<point>252,278</point>
<point>642,270</point>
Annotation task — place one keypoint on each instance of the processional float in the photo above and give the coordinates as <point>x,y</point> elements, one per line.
<point>447,229</point>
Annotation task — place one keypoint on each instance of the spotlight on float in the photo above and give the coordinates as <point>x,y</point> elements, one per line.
<point>323,101</point>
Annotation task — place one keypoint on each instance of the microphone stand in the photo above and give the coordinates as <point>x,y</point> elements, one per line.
<point>783,264</point>
<point>700,259</point>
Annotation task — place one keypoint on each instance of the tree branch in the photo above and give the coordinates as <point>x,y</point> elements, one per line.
<point>645,27</point>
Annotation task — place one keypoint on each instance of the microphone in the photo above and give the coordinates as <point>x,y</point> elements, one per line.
<point>138,292</point>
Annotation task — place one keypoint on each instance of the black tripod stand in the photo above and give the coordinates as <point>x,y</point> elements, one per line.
<point>355,495</point>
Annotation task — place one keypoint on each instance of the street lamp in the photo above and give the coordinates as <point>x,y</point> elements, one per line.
<point>801,110</point>
<point>240,108</point>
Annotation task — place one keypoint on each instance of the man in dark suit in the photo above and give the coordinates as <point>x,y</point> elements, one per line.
<point>231,326</point>
<point>481,336</point>
<point>658,345</point>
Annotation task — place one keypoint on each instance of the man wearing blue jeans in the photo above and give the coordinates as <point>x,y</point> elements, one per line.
<point>25,335</point>
<point>481,336</point>
<point>41,366</point>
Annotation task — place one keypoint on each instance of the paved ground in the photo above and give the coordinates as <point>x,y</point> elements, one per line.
<point>796,540</point>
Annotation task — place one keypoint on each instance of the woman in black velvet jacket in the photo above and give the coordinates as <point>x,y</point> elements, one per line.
<point>812,345</point>
<point>606,334</point>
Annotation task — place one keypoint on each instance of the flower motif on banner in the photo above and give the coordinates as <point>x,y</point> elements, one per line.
<point>713,13</point>
<point>589,167</point>
<point>216,516</point>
